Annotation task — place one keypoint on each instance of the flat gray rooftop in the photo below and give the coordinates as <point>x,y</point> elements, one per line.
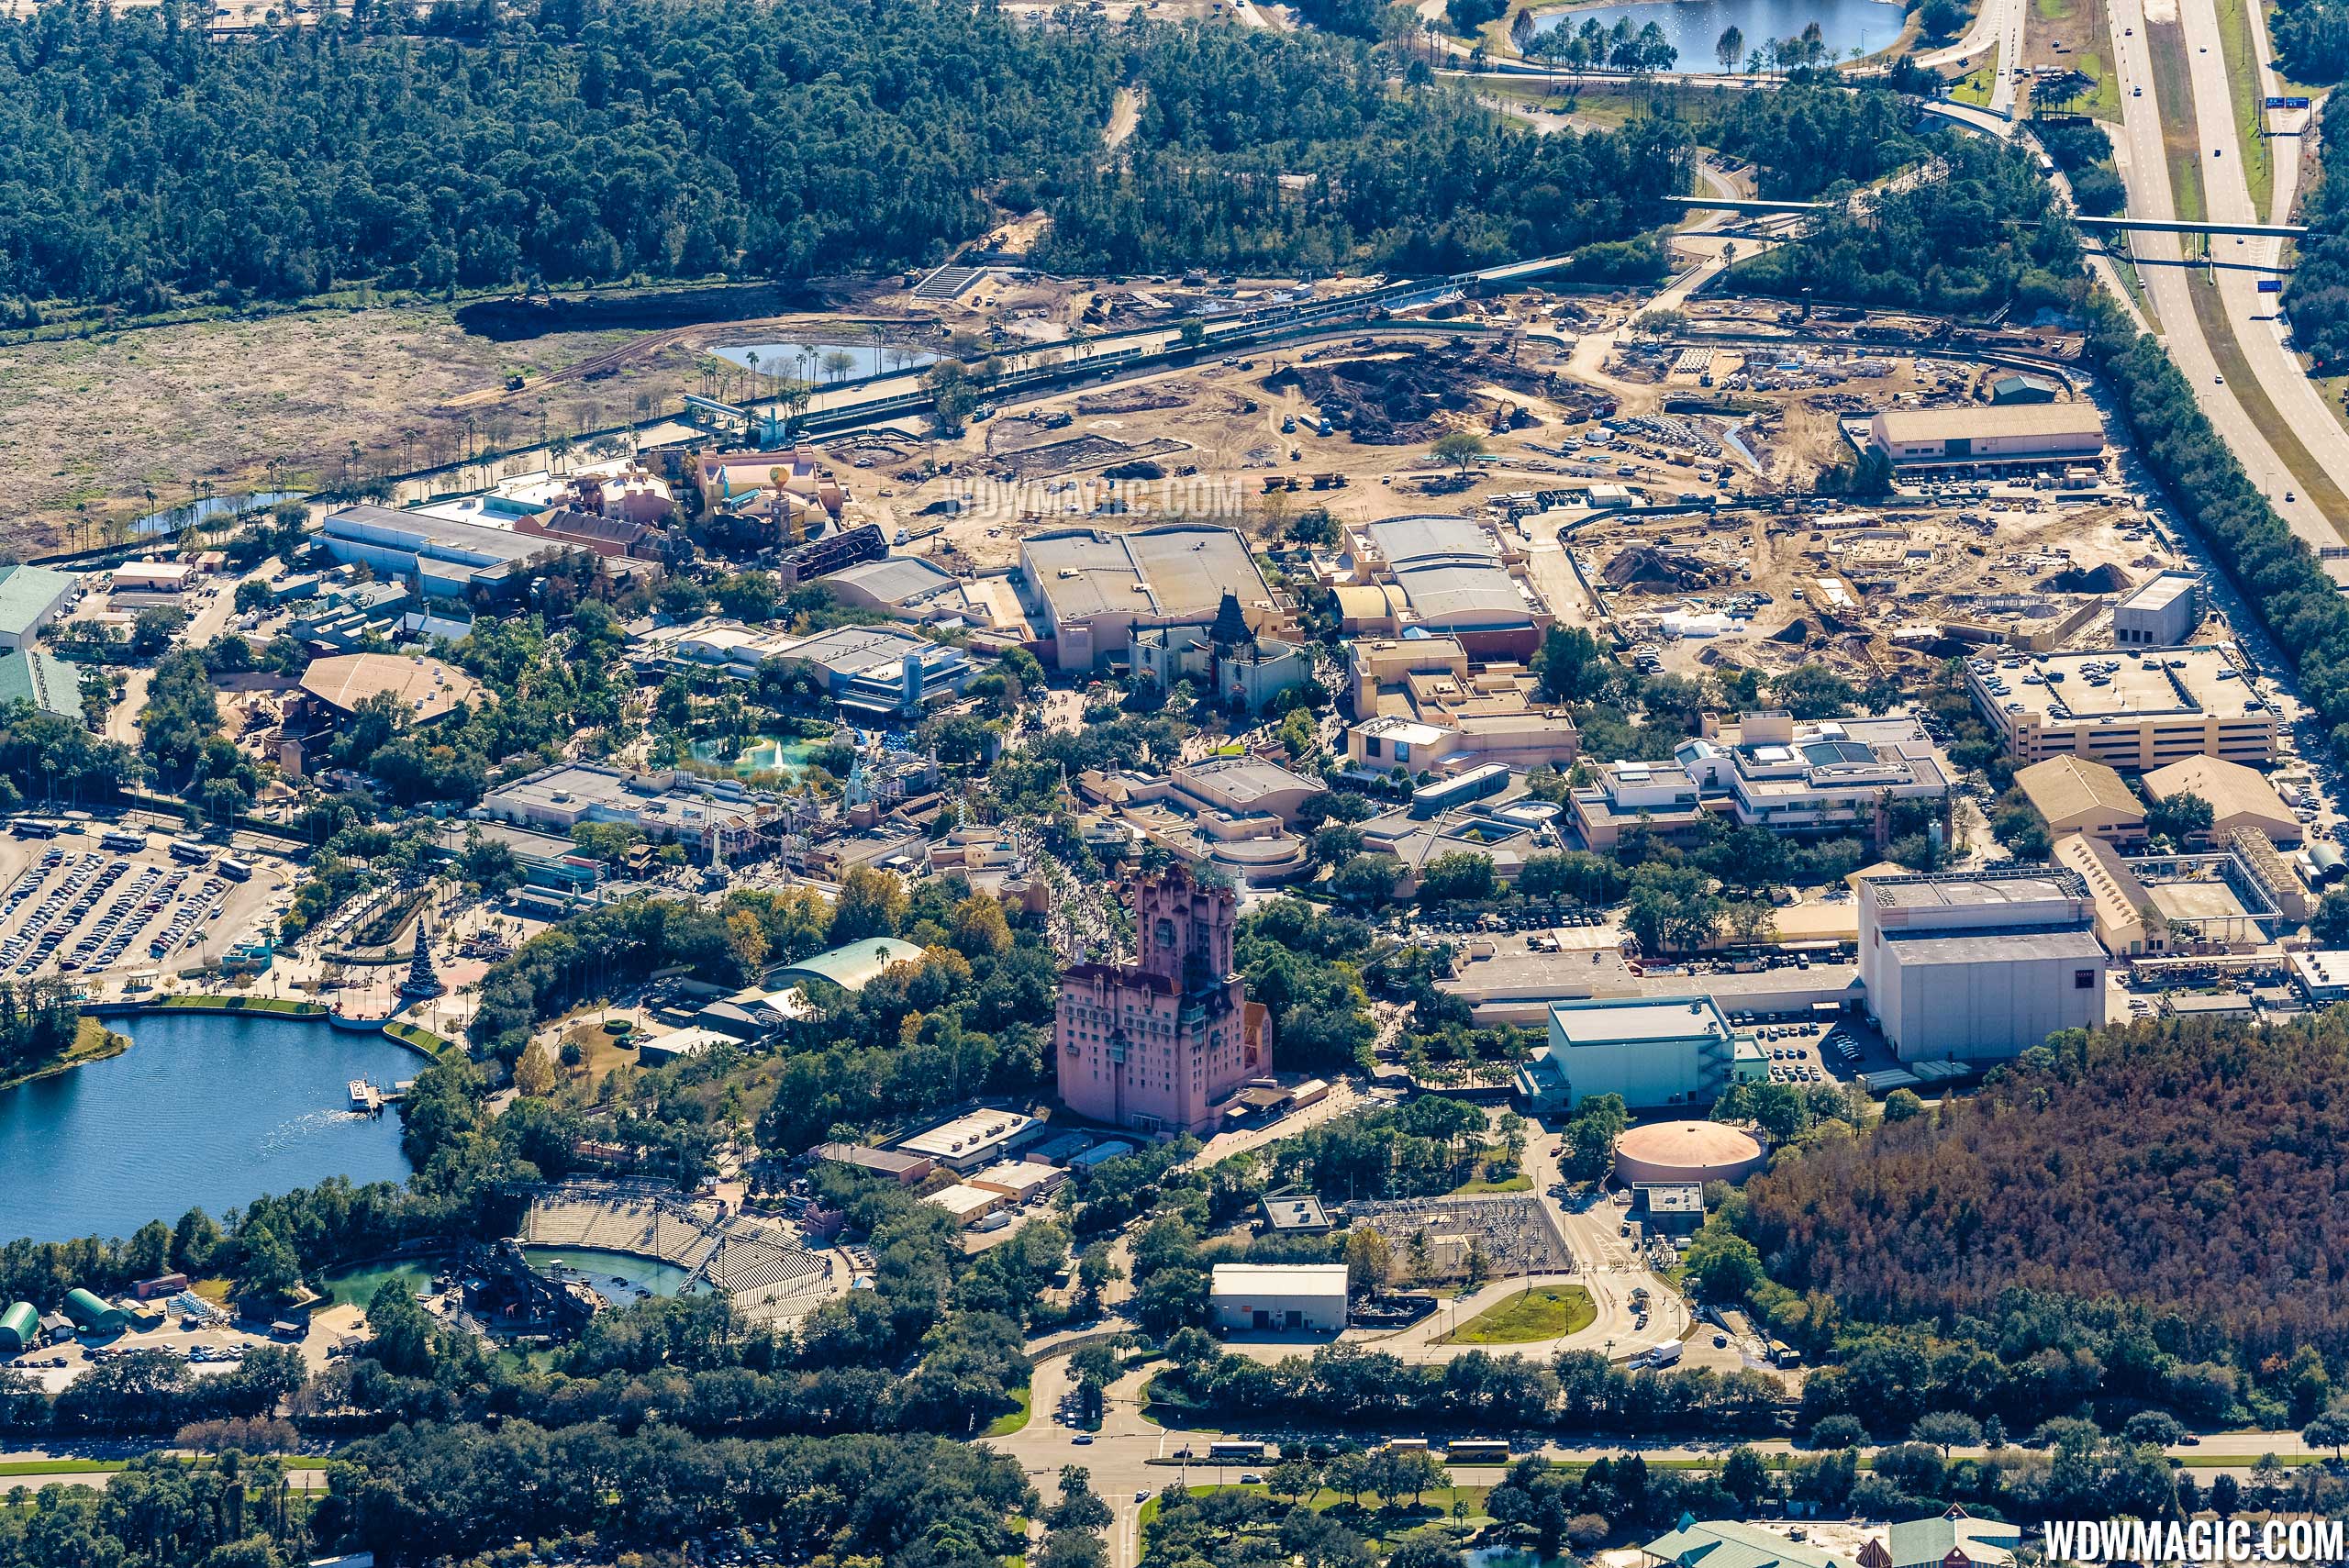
<point>1176,573</point>
<point>1994,947</point>
<point>1628,1023</point>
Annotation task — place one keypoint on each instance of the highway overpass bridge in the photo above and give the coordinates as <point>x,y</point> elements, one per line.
<point>2088,225</point>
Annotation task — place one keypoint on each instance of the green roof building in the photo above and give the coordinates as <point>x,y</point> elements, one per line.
<point>1950,1539</point>
<point>851,968</point>
<point>1731,1543</point>
<point>30,597</point>
<point>92,1316</point>
<point>19,1329</point>
<point>42,679</point>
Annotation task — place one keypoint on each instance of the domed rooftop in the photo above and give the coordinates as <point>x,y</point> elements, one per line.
<point>1685,1151</point>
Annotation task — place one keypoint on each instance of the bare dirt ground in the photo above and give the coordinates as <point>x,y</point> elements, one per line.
<point>89,426</point>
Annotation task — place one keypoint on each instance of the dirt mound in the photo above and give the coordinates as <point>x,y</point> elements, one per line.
<point>2105,578</point>
<point>1139,399</point>
<point>1394,402</point>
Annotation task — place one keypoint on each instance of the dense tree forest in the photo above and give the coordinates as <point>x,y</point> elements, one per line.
<point>143,160</point>
<point>2312,38</point>
<point>1260,152</point>
<point>38,1021</point>
<point>2189,1168</point>
<point>2317,293</point>
<point>1809,137</point>
<point>1987,232</point>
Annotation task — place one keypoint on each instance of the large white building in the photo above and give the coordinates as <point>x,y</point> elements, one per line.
<point>1444,576</point>
<point>1675,1051</point>
<point>2160,612</point>
<point>1278,1297</point>
<point>444,557</point>
<point>882,669</point>
<point>1980,965</point>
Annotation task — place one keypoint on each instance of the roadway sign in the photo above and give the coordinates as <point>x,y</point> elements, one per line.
<point>2274,103</point>
<point>2296,102</point>
<point>2271,285</point>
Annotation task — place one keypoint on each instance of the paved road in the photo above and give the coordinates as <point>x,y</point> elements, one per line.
<point>2145,165</point>
<point>2225,181</point>
<point>1130,1455</point>
<point>1990,29</point>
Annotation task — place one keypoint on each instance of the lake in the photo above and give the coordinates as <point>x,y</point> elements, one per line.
<point>783,359</point>
<point>203,1110</point>
<point>1694,27</point>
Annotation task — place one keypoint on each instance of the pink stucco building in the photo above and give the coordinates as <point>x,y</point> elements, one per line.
<point>1160,1045</point>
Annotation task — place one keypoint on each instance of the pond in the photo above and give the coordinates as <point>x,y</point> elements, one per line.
<point>1694,27</point>
<point>762,754</point>
<point>783,359</point>
<point>204,1111</point>
<point>619,1277</point>
<point>357,1287</point>
<point>171,519</point>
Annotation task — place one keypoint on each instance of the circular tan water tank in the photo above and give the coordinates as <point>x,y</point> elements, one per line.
<point>1667,1151</point>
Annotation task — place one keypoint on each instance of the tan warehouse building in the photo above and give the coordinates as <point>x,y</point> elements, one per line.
<point>2023,433</point>
<point>2073,795</point>
<point>2132,710</point>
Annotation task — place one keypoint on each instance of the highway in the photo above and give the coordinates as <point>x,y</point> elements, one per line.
<point>2225,184</point>
<point>2144,163</point>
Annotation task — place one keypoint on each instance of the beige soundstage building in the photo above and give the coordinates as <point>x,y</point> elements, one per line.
<point>2013,434</point>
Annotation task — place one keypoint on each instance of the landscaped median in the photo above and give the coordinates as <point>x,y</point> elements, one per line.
<point>275,1007</point>
<point>1549,1312</point>
<point>421,1040</point>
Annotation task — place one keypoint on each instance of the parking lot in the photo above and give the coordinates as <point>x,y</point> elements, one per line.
<point>81,911</point>
<point>210,1348</point>
<point>1815,1052</point>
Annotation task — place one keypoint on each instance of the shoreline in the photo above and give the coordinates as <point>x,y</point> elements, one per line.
<point>114,1044</point>
<point>1912,32</point>
<point>117,1043</point>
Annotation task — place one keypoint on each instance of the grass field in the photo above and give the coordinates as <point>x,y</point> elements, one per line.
<point>421,1040</point>
<point>1520,1183</point>
<point>1010,1421</point>
<point>1973,87</point>
<point>2071,35</point>
<point>2174,83</point>
<point>1550,1312</point>
<point>284,1005</point>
